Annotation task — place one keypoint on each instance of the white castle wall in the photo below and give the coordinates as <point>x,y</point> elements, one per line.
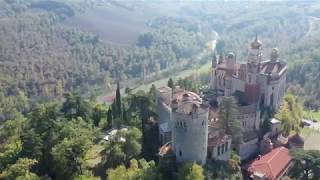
<point>190,135</point>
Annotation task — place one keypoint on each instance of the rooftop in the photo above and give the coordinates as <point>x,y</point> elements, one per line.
<point>272,165</point>
<point>218,140</point>
<point>275,121</point>
<point>165,149</point>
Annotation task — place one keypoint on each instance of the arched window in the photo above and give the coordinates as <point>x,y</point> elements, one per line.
<point>222,148</point>
<point>271,99</point>
<point>226,146</point>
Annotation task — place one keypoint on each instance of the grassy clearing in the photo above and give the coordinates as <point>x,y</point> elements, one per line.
<point>312,115</point>
<point>311,137</point>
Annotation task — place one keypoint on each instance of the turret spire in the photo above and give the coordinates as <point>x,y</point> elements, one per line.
<point>256,44</point>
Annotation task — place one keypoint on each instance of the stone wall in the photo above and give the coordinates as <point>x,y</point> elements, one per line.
<point>190,136</point>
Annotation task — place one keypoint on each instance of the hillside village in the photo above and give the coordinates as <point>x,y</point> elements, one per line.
<point>191,127</point>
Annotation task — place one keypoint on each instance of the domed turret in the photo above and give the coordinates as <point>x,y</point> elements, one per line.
<point>256,44</point>
<point>231,60</point>
<point>190,128</point>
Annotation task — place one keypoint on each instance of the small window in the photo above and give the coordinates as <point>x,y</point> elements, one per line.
<point>218,150</point>
<point>202,123</point>
<point>222,149</point>
<point>180,153</point>
<point>184,124</point>
<point>226,146</point>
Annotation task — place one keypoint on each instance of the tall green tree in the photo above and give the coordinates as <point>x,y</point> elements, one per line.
<point>122,147</point>
<point>118,101</point>
<point>290,114</point>
<point>170,83</point>
<point>228,120</point>
<point>306,164</point>
<point>69,156</point>
<point>99,114</point>
<point>141,169</point>
<point>110,117</point>
<point>190,171</point>
<point>21,170</point>
<point>75,106</point>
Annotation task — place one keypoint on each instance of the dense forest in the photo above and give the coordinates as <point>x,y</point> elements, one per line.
<point>43,57</point>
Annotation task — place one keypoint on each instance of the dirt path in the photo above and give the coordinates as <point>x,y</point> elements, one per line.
<point>312,24</point>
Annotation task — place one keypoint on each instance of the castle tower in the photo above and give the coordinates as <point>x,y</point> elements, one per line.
<point>255,54</point>
<point>189,128</point>
<point>213,72</point>
<point>252,86</point>
<point>254,59</point>
<point>231,61</point>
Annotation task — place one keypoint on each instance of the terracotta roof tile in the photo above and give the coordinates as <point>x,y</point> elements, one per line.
<point>272,164</point>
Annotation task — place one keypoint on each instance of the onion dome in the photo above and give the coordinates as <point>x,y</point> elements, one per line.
<point>230,55</point>
<point>256,44</point>
<point>296,141</point>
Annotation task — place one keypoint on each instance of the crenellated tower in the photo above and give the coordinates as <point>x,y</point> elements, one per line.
<point>189,128</point>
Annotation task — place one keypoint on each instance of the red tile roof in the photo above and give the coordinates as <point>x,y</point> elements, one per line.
<point>272,164</point>
<point>109,99</point>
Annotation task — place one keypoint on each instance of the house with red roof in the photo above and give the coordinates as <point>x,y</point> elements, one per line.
<point>270,166</point>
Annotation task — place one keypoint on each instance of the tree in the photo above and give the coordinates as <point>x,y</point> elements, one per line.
<point>10,152</point>
<point>122,147</point>
<point>306,164</point>
<point>141,169</point>
<point>21,170</point>
<point>290,114</point>
<point>86,177</point>
<point>99,114</point>
<point>109,117</point>
<point>68,156</point>
<point>171,83</point>
<point>75,106</point>
<point>142,105</point>
<point>227,119</point>
<point>190,171</point>
<point>118,101</point>
<point>32,145</point>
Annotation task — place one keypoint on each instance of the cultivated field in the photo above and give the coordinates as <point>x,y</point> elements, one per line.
<point>118,25</point>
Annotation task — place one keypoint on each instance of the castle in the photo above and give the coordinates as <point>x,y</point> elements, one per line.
<point>188,123</point>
